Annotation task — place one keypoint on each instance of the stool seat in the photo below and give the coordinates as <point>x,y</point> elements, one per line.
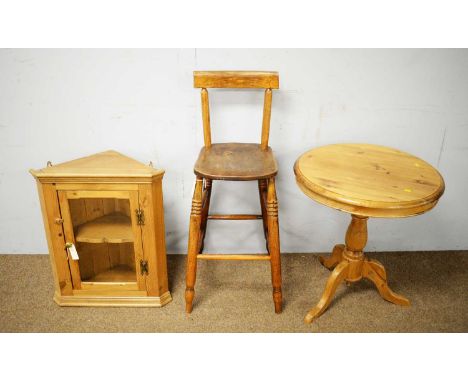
<point>236,161</point>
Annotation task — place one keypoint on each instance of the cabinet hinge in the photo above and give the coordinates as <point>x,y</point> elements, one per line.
<point>140,216</point>
<point>143,267</point>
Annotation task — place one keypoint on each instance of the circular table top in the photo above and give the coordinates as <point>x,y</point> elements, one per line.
<point>369,180</point>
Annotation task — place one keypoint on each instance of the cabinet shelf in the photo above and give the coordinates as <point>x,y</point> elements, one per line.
<point>111,228</point>
<point>120,273</point>
<point>91,202</point>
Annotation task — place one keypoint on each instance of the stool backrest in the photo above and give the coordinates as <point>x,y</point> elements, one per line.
<point>236,80</point>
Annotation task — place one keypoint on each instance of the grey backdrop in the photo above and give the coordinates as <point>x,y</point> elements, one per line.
<point>58,105</point>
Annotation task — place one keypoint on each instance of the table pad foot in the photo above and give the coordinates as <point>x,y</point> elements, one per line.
<point>375,272</point>
<point>371,270</point>
<point>337,276</point>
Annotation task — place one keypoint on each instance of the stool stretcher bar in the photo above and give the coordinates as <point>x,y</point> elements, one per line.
<point>235,217</point>
<point>212,256</point>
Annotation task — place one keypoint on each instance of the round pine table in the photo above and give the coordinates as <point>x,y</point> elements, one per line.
<point>365,181</point>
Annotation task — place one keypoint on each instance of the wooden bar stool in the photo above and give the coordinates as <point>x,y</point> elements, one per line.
<point>235,162</point>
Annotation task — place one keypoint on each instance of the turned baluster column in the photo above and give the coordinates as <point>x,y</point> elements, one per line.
<point>356,240</point>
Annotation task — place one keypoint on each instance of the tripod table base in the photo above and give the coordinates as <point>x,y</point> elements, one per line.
<point>349,264</point>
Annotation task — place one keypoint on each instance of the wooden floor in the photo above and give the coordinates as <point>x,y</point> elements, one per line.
<point>236,297</point>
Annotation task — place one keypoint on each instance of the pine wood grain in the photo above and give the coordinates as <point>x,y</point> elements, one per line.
<point>369,180</point>
<point>236,161</point>
<point>235,79</point>
<point>119,273</point>
<point>107,166</point>
<point>366,181</point>
<point>92,203</point>
<point>111,228</point>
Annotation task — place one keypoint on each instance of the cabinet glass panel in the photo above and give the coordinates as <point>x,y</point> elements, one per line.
<point>104,239</point>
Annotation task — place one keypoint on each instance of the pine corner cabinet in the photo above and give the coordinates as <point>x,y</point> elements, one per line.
<point>104,222</point>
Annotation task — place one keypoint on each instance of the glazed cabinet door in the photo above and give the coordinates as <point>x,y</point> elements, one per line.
<point>104,242</point>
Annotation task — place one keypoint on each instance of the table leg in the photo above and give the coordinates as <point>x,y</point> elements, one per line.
<point>331,261</point>
<point>373,271</point>
<point>353,266</point>
<point>338,275</point>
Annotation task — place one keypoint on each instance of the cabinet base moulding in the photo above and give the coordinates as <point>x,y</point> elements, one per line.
<point>90,300</point>
<point>106,239</point>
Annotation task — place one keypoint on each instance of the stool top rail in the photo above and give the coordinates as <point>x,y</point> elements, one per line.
<point>236,79</point>
<point>239,80</point>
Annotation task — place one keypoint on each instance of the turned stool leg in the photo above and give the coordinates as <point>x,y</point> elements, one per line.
<point>274,244</point>
<point>204,214</point>
<point>262,191</point>
<point>193,244</point>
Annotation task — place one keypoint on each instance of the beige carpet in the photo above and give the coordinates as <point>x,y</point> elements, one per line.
<point>236,297</point>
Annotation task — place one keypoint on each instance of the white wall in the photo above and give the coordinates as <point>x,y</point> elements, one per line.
<point>58,105</point>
